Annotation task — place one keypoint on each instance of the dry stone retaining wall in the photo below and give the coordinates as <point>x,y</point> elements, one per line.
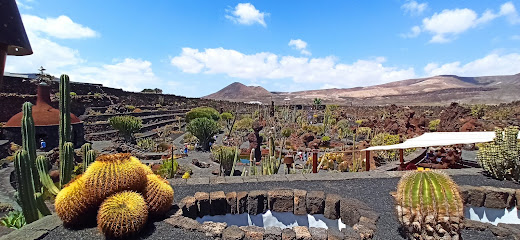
<point>360,219</point>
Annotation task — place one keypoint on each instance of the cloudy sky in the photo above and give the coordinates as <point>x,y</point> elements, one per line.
<point>194,48</point>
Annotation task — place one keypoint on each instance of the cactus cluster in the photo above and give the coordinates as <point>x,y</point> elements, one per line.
<point>121,189</point>
<point>501,158</point>
<point>429,206</point>
<point>89,155</point>
<point>66,147</point>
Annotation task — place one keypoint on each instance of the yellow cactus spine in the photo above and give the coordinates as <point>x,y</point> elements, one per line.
<point>429,205</point>
<point>72,204</point>
<point>158,195</point>
<point>113,173</point>
<point>122,214</point>
<point>147,170</point>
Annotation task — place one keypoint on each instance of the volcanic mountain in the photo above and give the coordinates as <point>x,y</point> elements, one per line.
<point>442,89</point>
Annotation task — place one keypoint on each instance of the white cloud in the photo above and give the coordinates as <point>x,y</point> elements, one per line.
<point>515,37</point>
<point>492,64</point>
<point>23,5</point>
<point>60,27</point>
<point>414,8</point>
<point>265,65</point>
<point>247,14</point>
<point>129,74</point>
<point>449,23</point>
<point>414,32</point>
<point>300,45</point>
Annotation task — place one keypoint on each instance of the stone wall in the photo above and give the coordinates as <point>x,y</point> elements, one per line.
<point>359,218</point>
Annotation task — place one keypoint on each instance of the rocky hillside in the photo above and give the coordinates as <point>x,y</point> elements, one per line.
<point>442,89</point>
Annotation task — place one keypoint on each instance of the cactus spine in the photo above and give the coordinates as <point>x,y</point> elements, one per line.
<point>66,160</point>
<point>122,214</point>
<point>88,157</point>
<point>158,195</point>
<point>45,179</point>
<point>67,165</point>
<point>72,204</point>
<point>501,158</point>
<point>429,206</point>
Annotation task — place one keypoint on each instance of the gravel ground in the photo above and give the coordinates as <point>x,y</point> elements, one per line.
<point>374,192</point>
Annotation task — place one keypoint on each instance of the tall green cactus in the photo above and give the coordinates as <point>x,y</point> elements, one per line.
<point>88,157</point>
<point>501,158</point>
<point>29,140</point>
<point>66,166</point>
<point>42,164</point>
<point>66,158</point>
<point>26,193</point>
<point>429,206</point>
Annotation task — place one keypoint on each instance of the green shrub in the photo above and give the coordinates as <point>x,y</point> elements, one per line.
<point>130,108</point>
<point>202,112</point>
<point>478,110</point>
<point>244,124</point>
<point>286,132</point>
<point>325,139</point>
<point>383,139</point>
<point>147,144</point>
<point>126,125</point>
<point>203,129</point>
<point>434,124</point>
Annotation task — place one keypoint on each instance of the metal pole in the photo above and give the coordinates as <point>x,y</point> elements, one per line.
<point>3,56</point>
<point>367,164</point>
<point>315,162</point>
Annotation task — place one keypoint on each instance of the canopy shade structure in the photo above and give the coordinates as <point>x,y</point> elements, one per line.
<point>439,139</point>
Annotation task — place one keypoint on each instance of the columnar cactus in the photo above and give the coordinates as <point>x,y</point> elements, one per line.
<point>429,206</point>
<point>87,160</point>
<point>26,193</point>
<point>501,158</point>
<point>29,141</point>
<point>66,160</point>
<point>45,179</point>
<point>67,164</point>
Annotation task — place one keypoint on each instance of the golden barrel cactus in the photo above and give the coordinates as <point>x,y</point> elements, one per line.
<point>122,214</point>
<point>72,204</point>
<point>147,169</point>
<point>114,173</point>
<point>158,195</point>
<point>429,206</point>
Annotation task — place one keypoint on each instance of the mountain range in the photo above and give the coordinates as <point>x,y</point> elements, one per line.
<point>436,90</point>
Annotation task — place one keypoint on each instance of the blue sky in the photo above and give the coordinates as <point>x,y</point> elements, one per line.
<point>194,48</point>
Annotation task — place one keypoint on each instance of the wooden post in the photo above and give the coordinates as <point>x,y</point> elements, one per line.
<point>315,162</point>
<point>401,157</point>
<point>367,163</point>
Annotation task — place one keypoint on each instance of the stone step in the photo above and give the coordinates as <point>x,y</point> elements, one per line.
<point>111,134</point>
<point>105,117</point>
<point>105,126</point>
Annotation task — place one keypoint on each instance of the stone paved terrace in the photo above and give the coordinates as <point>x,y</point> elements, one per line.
<point>373,188</point>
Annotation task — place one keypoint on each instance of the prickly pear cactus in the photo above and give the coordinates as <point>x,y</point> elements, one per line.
<point>501,158</point>
<point>429,206</point>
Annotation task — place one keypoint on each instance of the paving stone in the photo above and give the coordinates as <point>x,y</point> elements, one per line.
<point>203,203</point>
<point>318,233</point>
<point>302,233</point>
<point>349,210</point>
<point>517,196</point>
<point>242,202</point>
<point>257,202</point>
<point>234,179</point>
<point>372,215</point>
<point>350,234</point>
<point>253,232</point>
<point>177,181</point>
<point>332,206</point>
<point>288,234</point>
<point>217,180</point>
<point>249,179</point>
<point>231,199</point>
<point>189,207</point>
<point>281,200</point>
<point>473,196</point>
<point>5,230</point>
<point>315,202</point>
<point>296,177</point>
<point>218,203</point>
<point>273,233</point>
<point>334,234</point>
<point>213,229</point>
<point>233,233</point>
<point>184,223</point>
<point>300,207</point>
<point>496,198</point>
<point>364,231</point>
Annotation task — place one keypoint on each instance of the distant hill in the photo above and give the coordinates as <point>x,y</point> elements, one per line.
<point>435,90</point>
